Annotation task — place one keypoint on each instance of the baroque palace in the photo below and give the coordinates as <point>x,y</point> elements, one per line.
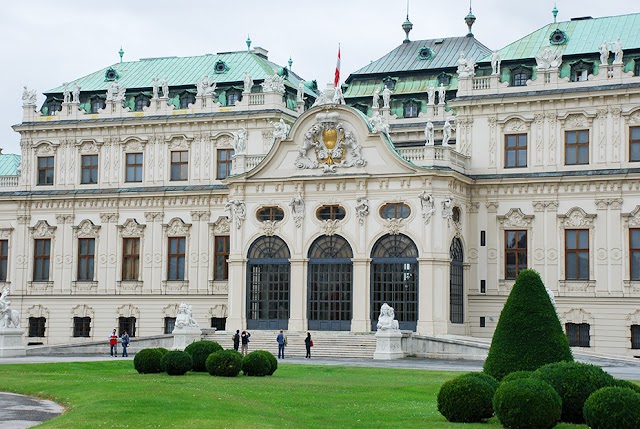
<point>427,181</point>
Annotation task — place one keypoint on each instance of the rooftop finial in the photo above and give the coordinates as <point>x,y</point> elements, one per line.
<point>407,26</point>
<point>555,12</point>
<point>121,53</point>
<point>470,19</point>
<point>290,62</point>
<point>248,42</point>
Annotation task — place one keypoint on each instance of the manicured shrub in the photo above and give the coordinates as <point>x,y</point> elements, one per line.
<point>529,333</point>
<point>225,363</point>
<point>176,362</point>
<point>200,351</point>
<point>517,375</point>
<point>626,383</point>
<point>613,408</point>
<point>574,382</point>
<point>162,350</point>
<point>272,361</point>
<point>485,377</point>
<point>256,364</point>
<point>527,403</point>
<point>466,399</point>
<point>147,361</point>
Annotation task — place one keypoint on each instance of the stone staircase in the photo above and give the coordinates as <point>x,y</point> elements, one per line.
<point>325,344</point>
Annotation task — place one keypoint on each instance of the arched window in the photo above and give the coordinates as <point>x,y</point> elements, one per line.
<point>187,98</point>
<point>329,284</point>
<point>331,212</point>
<point>232,97</point>
<point>268,273</point>
<point>142,101</point>
<point>270,213</point>
<point>395,211</point>
<point>411,109</point>
<point>520,76</point>
<point>394,279</point>
<point>456,282</point>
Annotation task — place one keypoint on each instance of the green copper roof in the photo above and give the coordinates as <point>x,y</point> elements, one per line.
<point>182,71</point>
<point>406,85</point>
<point>445,53</point>
<point>9,164</point>
<point>584,36</point>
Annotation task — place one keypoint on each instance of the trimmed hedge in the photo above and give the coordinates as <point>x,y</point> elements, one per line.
<point>517,375</point>
<point>529,333</point>
<point>627,384</point>
<point>272,361</point>
<point>200,351</point>
<point>162,350</point>
<point>256,364</point>
<point>147,361</point>
<point>527,403</point>
<point>466,399</point>
<point>574,382</point>
<point>176,362</point>
<point>225,363</point>
<point>485,377</point>
<point>613,408</point>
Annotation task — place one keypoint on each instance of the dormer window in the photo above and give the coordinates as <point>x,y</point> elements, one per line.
<point>444,79</point>
<point>520,76</point>
<point>389,83</point>
<point>425,53</point>
<point>186,98</point>
<point>111,74</point>
<point>580,71</point>
<point>232,97</point>
<point>96,104</point>
<point>54,106</point>
<point>142,101</point>
<point>558,37</point>
<point>636,68</point>
<point>220,67</point>
<point>411,109</point>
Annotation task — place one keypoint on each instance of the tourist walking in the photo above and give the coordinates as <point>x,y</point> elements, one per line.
<point>308,343</point>
<point>125,340</point>
<point>282,342</point>
<point>236,340</point>
<point>113,343</point>
<point>245,342</point>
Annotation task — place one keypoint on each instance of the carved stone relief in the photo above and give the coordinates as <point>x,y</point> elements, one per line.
<point>42,229</point>
<point>492,141</point>
<point>515,219</point>
<point>86,229</point>
<point>131,228</point>
<point>176,227</point>
<point>128,310</point>
<point>221,226</point>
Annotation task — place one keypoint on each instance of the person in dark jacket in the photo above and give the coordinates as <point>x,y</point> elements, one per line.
<point>245,342</point>
<point>236,340</point>
<point>282,342</point>
<point>125,343</point>
<point>308,343</point>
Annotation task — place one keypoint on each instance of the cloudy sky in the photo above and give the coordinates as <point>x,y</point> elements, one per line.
<point>46,43</point>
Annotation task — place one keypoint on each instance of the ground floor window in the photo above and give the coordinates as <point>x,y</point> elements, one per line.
<point>219,323</point>
<point>127,324</point>
<point>82,327</point>
<point>578,334</point>
<point>37,326</point>
<point>635,336</point>
<point>169,324</point>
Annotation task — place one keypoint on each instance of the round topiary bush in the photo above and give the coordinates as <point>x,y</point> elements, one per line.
<point>527,403</point>
<point>176,362</point>
<point>627,384</point>
<point>466,399</point>
<point>147,361</point>
<point>574,382</point>
<point>200,351</point>
<point>162,350</point>
<point>613,408</point>
<point>485,377</point>
<point>272,361</point>
<point>544,341</point>
<point>225,363</point>
<point>517,375</point>
<point>256,364</point>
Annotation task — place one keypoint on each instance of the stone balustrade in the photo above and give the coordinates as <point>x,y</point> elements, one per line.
<point>441,156</point>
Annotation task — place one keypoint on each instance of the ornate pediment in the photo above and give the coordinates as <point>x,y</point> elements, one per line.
<point>128,310</point>
<point>170,310</point>
<point>577,218</point>
<point>42,229</point>
<point>134,144</point>
<point>179,141</point>
<point>515,219</point>
<point>576,315</point>
<point>218,310</point>
<point>89,147</point>
<point>82,310</point>
<point>38,311</point>
<point>576,121</point>
<point>45,149</point>
<point>176,228</point>
<point>86,229</point>
<point>131,228</point>
<point>633,218</point>
<point>221,226</point>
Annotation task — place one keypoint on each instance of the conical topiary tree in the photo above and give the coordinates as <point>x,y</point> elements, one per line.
<point>529,333</point>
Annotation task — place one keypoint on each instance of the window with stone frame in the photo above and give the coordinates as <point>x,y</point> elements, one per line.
<point>219,323</point>
<point>82,327</point>
<point>89,169</point>
<point>176,258</point>
<point>634,253</point>
<point>515,150</point>
<point>86,258</point>
<point>634,143</point>
<point>133,167</point>
<point>395,211</point>
<point>233,97</point>
<point>45,170</point>
<point>444,79</point>
<point>4,259</point>
<point>576,254</point>
<point>576,147</point>
<point>37,326</point>
<point>187,98</point>
<point>97,103</point>
<point>635,336</point>
<point>578,334</point>
<point>130,259</point>
<point>331,212</point>
<point>520,76</point>
<point>224,163</point>
<point>169,324</point>
<point>515,250</point>
<point>41,259</point>
<point>411,109</point>
<point>270,213</point>
<point>179,165</point>
<point>128,325</point>
<point>54,106</point>
<point>221,245</point>
<point>141,101</point>
<point>580,71</point>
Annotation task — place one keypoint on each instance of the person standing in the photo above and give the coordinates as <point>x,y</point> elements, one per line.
<point>113,343</point>
<point>236,340</point>
<point>280,339</point>
<point>245,342</point>
<point>125,340</point>
<point>308,343</point>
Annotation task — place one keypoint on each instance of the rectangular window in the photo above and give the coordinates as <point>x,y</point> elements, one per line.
<point>221,254</point>
<point>128,325</point>
<point>89,169</point>
<point>41,258</point>
<point>515,150</point>
<point>515,249</point>
<point>169,324</point>
<point>180,165</point>
<point>37,326</point>
<point>224,163</point>
<point>176,258</point>
<point>635,336</point>
<point>4,259</point>
<point>86,258</point>
<point>576,254</point>
<point>634,144</point>
<point>130,259</point>
<point>219,323</point>
<point>45,170</point>
<point>576,147</point>
<point>483,322</point>
<point>634,252</point>
<point>134,167</point>
<point>578,334</point>
<point>82,327</point>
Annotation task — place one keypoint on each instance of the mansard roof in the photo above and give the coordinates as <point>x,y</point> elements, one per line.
<point>583,36</point>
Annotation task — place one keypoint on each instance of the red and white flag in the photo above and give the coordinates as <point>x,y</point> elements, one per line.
<point>336,78</point>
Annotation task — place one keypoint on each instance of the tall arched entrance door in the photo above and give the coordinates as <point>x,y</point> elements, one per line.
<point>329,284</point>
<point>456,282</point>
<point>268,282</point>
<point>394,279</point>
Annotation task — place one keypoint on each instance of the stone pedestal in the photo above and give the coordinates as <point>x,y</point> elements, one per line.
<point>183,337</point>
<point>11,343</point>
<point>388,345</point>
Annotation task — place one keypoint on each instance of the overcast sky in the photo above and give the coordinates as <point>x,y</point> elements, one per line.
<point>46,43</point>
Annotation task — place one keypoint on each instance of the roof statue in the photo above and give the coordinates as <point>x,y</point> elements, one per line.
<point>466,66</point>
<point>547,58</point>
<point>300,93</point>
<point>431,95</point>
<point>386,97</point>
<point>116,92</point>
<point>155,84</point>
<point>248,82</point>
<point>240,141</point>
<point>495,63</point>
<point>376,99</point>
<point>323,98</point>
<point>377,123</point>
<point>280,129</point>
<point>29,97</point>
<point>446,132</point>
<point>66,93</point>
<point>205,87</point>
<point>273,83</point>
<point>338,97</point>
<point>165,88</point>
<point>604,53</point>
<point>429,134</point>
<point>76,93</point>
<point>442,94</point>
<point>616,48</point>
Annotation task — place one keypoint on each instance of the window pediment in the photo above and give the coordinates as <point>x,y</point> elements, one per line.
<point>131,228</point>
<point>86,229</point>
<point>577,218</point>
<point>515,219</point>
<point>42,229</point>
<point>176,227</point>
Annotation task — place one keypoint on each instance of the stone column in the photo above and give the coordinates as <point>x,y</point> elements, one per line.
<point>492,248</point>
<point>298,295</point>
<point>237,295</point>
<point>360,297</point>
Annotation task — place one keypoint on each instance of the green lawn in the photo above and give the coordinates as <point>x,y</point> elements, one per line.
<point>113,394</point>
